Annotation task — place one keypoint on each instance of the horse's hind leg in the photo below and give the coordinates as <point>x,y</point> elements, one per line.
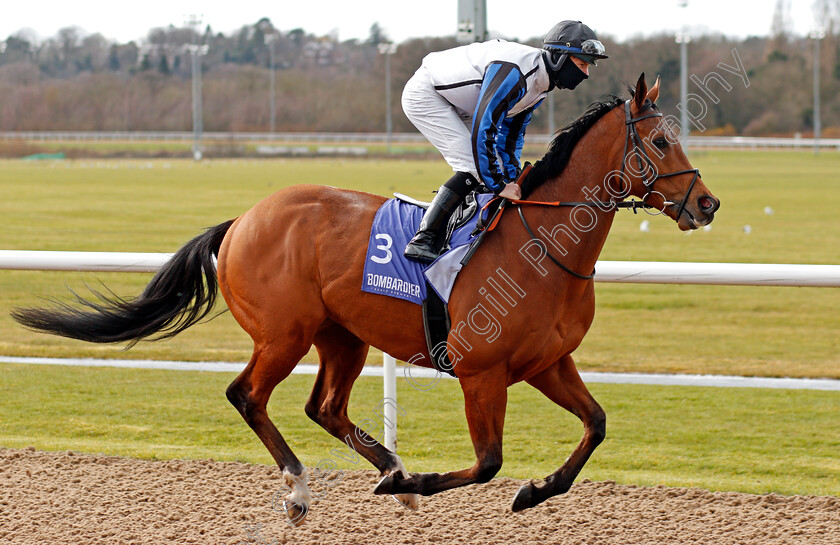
<point>562,384</point>
<point>342,357</point>
<point>249,393</point>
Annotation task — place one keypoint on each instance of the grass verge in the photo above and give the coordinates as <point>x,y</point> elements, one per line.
<point>157,205</point>
<point>747,440</point>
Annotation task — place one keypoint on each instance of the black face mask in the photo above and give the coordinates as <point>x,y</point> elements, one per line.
<point>569,75</point>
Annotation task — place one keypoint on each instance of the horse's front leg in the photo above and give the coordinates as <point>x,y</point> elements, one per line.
<point>562,384</point>
<point>485,400</point>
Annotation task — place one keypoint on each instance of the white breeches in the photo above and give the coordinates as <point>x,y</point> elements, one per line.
<point>439,122</point>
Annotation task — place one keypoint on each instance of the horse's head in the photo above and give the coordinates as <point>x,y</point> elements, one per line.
<point>656,167</point>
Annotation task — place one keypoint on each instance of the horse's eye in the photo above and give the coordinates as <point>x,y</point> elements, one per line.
<point>660,143</point>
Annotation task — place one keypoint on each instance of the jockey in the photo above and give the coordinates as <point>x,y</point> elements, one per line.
<point>473,104</point>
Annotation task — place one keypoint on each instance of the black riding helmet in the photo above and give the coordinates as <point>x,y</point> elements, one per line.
<point>571,38</point>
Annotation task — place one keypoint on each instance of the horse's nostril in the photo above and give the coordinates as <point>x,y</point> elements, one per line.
<point>707,203</point>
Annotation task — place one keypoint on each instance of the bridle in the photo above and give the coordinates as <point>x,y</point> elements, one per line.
<point>632,134</point>
<point>645,165</point>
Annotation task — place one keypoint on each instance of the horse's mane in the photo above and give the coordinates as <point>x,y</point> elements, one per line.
<point>560,149</point>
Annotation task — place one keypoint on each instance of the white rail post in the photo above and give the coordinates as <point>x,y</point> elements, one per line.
<point>389,374</point>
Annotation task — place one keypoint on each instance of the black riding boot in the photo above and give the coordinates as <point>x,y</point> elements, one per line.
<point>423,247</point>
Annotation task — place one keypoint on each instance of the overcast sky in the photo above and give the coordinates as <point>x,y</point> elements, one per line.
<point>126,21</point>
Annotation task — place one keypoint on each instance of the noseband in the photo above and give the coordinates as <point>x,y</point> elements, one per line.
<point>645,165</point>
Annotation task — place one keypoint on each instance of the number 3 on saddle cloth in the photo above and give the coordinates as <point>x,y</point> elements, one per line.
<point>388,272</point>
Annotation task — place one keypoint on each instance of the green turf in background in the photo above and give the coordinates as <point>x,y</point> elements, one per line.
<point>158,205</point>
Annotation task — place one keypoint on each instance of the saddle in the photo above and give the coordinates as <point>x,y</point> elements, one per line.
<point>436,322</point>
<point>461,216</point>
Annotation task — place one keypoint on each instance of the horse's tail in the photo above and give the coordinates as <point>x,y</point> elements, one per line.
<point>180,294</point>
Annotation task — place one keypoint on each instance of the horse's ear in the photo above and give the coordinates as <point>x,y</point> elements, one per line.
<point>653,94</point>
<point>641,92</point>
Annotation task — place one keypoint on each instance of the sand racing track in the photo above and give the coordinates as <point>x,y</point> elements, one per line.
<point>66,497</point>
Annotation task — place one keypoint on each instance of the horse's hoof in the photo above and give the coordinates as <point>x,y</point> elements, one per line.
<point>386,485</point>
<point>295,512</point>
<point>391,484</point>
<point>409,501</point>
<point>524,498</point>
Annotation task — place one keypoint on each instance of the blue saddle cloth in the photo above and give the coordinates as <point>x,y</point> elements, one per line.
<point>388,272</point>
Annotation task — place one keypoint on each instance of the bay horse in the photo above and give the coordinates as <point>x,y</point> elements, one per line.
<point>290,270</point>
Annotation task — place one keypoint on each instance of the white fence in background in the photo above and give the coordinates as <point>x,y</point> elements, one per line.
<point>82,261</point>
<point>633,272</point>
<point>740,142</point>
<point>638,272</point>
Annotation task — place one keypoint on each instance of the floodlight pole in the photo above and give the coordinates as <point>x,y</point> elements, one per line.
<point>683,39</point>
<point>472,21</point>
<point>269,39</point>
<point>817,35</point>
<point>388,49</point>
<point>196,52</point>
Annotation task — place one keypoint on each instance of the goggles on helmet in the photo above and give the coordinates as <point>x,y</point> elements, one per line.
<point>589,51</point>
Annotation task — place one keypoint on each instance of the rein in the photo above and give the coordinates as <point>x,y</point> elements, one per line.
<point>631,135</point>
<point>551,257</point>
